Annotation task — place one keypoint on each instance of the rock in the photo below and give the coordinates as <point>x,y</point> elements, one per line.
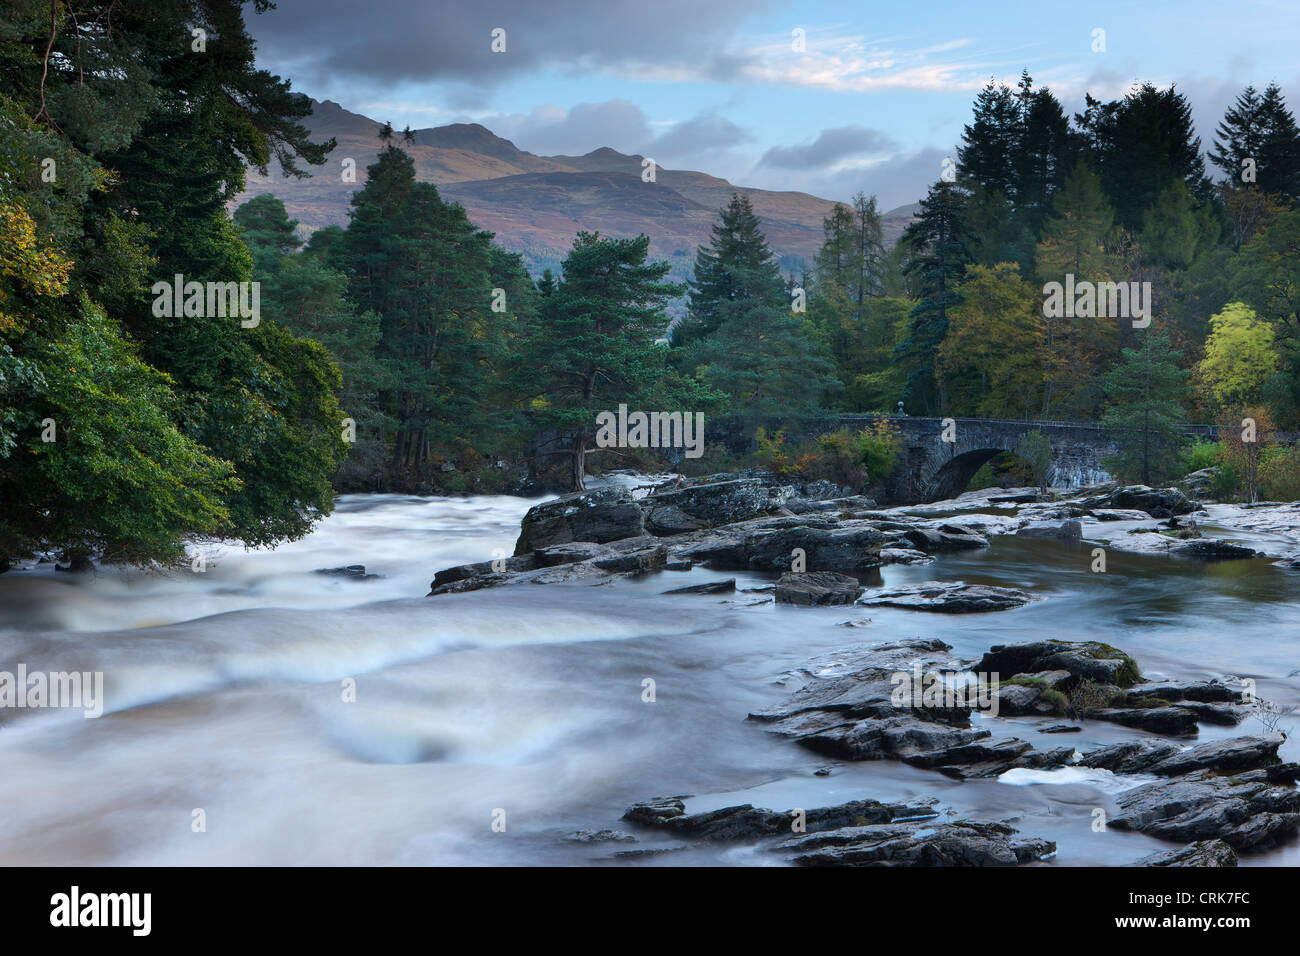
<point>1201,853</point>
<point>633,561</point>
<point>809,588</point>
<point>1170,721</point>
<point>1200,484</point>
<point>904,556</point>
<point>1224,756</point>
<point>1112,514</point>
<point>931,540</point>
<point>482,569</point>
<point>1156,502</point>
<point>1247,812</point>
<point>1212,549</point>
<point>355,571</point>
<point>963,843</point>
<point>745,822</point>
<point>600,515</point>
<point>771,545</point>
<point>1061,729</point>
<point>709,504</point>
<point>1082,659</point>
<point>1238,755</point>
<point>955,598</point>
<point>1208,691</point>
<point>820,490</point>
<point>1071,530</point>
<point>601,836</point>
<point>710,587</point>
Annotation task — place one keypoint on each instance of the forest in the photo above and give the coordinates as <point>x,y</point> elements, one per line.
<point>409,352</point>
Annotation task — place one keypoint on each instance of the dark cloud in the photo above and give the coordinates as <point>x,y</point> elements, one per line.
<point>831,146</point>
<point>337,41</point>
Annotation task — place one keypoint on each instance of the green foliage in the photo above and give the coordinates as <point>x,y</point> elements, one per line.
<point>1144,395</point>
<point>1279,477</point>
<point>1201,455</point>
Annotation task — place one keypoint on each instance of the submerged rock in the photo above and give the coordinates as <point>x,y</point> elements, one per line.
<point>711,587</point>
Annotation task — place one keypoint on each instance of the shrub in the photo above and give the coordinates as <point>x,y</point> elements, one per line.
<point>1279,476</point>
<point>1200,455</point>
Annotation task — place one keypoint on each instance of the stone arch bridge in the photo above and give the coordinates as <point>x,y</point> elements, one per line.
<point>931,469</point>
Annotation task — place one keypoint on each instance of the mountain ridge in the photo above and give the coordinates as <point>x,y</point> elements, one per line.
<point>536,204</point>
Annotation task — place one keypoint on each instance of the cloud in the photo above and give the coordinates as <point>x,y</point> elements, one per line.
<point>831,146</point>
<point>702,134</point>
<point>896,181</point>
<point>418,41</point>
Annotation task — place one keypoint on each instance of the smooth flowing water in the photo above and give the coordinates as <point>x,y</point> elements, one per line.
<point>226,693</point>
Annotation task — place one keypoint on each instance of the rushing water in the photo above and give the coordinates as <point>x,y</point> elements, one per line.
<point>225,693</point>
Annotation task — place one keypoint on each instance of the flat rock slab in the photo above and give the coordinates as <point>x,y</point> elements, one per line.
<point>955,598</point>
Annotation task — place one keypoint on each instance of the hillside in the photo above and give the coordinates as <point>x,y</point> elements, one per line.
<point>535,204</point>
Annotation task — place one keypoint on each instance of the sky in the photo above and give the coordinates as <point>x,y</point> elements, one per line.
<point>823,97</point>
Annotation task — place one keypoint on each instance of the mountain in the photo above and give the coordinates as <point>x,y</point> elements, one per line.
<point>536,204</point>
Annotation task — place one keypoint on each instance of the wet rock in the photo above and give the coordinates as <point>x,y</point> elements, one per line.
<point>710,504</point>
<point>354,571</point>
<point>601,836</point>
<point>944,538</point>
<point>1211,691</point>
<point>954,598</point>
<point>1201,853</point>
<point>904,556</point>
<point>746,822</point>
<point>962,843</point>
<point>1061,729</point>
<point>1212,549</point>
<point>1156,502</point>
<point>710,587</point>
<point>1238,755</point>
<point>1170,721</point>
<point>1247,812</point>
<point>600,515</point>
<point>816,588</point>
<point>1071,530</point>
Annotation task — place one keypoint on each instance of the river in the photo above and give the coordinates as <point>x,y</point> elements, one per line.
<point>523,706</point>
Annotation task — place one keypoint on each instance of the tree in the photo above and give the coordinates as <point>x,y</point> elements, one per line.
<point>938,245</point>
<point>1239,356</point>
<point>1140,144</point>
<point>1144,392</point>
<point>1246,438</point>
<point>726,268</point>
<point>1076,351</point>
<point>1257,145</point>
<point>593,346</point>
<point>988,358</point>
<point>268,230</point>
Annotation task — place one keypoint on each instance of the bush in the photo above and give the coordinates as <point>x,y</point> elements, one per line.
<point>1279,476</point>
<point>1201,455</point>
<point>848,458</point>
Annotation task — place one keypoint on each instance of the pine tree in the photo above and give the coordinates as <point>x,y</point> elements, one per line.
<point>758,353</point>
<point>737,254</point>
<point>938,243</point>
<point>594,348</point>
<point>1145,393</point>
